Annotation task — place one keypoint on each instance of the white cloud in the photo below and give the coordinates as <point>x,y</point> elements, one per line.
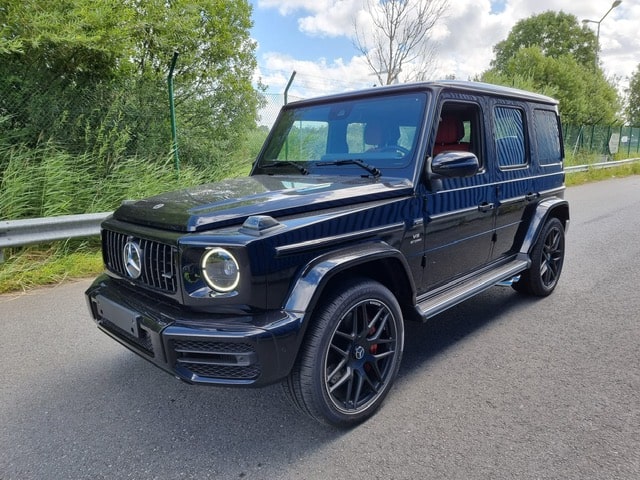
<point>465,37</point>
<point>619,39</point>
<point>320,77</point>
<point>313,78</point>
<point>465,42</point>
<point>286,7</point>
<point>337,19</point>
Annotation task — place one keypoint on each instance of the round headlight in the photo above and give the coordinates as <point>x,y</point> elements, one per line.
<point>220,270</point>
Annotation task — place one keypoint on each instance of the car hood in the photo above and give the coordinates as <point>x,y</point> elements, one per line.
<point>231,201</point>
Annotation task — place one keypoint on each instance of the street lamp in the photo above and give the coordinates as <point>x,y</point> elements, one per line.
<point>585,21</point>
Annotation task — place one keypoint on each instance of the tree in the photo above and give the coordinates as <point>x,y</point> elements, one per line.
<point>395,37</point>
<point>547,53</point>
<point>91,76</point>
<point>554,33</point>
<point>585,96</point>
<point>633,106</point>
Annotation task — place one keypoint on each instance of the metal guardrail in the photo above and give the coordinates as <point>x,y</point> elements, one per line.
<point>17,233</point>
<point>599,166</point>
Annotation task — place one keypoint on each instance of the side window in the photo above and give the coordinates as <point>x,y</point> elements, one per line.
<point>509,135</point>
<point>547,137</point>
<point>459,129</point>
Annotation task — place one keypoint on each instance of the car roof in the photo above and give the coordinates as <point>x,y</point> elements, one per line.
<point>459,85</point>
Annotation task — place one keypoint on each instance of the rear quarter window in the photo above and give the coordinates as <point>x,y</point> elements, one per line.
<point>510,137</point>
<point>547,134</point>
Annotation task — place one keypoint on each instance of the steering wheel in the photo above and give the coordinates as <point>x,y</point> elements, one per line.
<point>394,148</point>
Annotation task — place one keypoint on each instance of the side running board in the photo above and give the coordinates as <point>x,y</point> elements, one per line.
<point>448,297</point>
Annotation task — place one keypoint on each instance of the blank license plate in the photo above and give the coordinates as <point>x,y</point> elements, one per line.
<point>120,316</point>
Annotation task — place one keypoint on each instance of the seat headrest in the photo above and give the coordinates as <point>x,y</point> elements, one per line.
<point>377,133</point>
<point>373,133</point>
<point>450,130</point>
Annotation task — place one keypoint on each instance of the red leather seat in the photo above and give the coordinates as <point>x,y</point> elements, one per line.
<point>450,132</point>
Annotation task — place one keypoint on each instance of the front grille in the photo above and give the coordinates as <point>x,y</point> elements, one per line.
<point>158,269</point>
<point>217,360</point>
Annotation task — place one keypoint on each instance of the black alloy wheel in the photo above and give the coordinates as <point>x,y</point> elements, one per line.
<point>351,357</point>
<point>547,258</point>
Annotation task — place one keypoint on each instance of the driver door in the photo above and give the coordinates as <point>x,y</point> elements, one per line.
<point>459,217</point>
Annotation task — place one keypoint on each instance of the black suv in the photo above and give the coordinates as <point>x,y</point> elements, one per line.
<point>363,210</point>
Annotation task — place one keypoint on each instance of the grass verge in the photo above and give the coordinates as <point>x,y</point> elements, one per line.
<point>580,178</point>
<point>34,267</point>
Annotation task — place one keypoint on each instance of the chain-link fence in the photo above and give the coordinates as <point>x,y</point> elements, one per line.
<point>106,121</point>
<point>110,120</point>
<point>602,139</point>
<point>100,118</point>
<point>271,107</point>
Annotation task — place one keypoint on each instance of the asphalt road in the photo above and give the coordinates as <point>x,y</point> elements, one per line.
<point>501,387</point>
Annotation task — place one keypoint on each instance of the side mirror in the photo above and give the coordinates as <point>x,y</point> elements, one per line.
<point>454,164</point>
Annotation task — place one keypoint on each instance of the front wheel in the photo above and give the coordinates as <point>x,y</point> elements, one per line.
<point>351,355</point>
<point>547,258</point>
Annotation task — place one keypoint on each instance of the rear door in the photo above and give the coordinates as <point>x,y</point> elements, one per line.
<point>515,172</point>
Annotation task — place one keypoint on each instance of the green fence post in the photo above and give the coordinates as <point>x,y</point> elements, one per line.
<point>619,137</point>
<point>286,89</point>
<point>172,109</point>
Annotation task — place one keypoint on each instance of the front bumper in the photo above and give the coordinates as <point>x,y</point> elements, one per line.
<point>203,348</point>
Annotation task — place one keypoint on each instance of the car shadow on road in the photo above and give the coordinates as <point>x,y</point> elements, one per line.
<point>425,341</point>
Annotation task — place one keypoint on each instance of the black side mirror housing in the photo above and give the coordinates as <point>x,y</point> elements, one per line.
<point>454,164</point>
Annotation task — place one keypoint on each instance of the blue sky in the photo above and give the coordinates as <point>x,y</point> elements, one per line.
<point>314,38</point>
<point>280,33</point>
<point>498,6</point>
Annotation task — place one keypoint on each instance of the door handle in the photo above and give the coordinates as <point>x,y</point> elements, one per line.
<point>530,197</point>
<point>485,207</point>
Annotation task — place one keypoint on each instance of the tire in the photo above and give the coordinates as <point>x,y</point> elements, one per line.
<point>547,258</point>
<point>351,355</point>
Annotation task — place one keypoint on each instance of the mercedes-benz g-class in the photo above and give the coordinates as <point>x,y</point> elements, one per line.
<point>362,211</point>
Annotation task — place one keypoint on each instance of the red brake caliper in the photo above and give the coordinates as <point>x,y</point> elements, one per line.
<point>373,349</point>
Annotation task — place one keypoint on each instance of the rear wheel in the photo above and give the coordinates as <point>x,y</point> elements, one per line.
<point>547,258</point>
<point>351,355</point>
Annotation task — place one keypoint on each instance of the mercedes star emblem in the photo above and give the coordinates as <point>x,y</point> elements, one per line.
<point>132,259</point>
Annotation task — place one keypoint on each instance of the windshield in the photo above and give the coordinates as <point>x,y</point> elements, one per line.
<point>365,136</point>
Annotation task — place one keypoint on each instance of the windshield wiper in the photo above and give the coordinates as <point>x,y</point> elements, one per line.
<point>286,163</point>
<point>369,168</point>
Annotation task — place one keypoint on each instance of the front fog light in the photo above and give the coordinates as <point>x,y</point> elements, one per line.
<point>220,270</point>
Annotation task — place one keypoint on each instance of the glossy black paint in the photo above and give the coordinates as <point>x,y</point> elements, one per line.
<point>272,336</point>
<point>455,164</point>
<point>412,225</point>
<point>230,202</point>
